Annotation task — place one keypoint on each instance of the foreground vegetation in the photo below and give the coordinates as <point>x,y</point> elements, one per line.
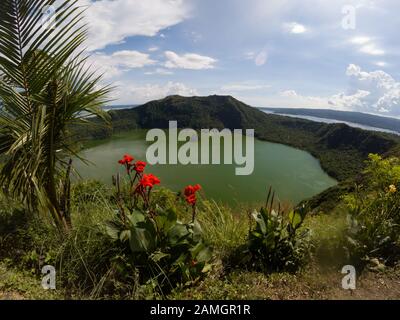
<point>267,249</point>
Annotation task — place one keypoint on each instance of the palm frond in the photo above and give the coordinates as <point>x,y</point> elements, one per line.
<point>44,88</point>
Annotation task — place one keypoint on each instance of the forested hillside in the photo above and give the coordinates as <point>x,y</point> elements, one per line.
<point>340,148</point>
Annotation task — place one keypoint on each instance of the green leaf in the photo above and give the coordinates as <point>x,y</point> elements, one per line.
<point>178,233</point>
<point>143,236</point>
<point>204,255</point>
<point>136,217</point>
<point>166,219</point>
<point>158,256</point>
<point>141,240</point>
<point>207,268</point>
<point>197,231</point>
<point>112,229</point>
<point>295,219</point>
<point>125,235</point>
<point>260,221</point>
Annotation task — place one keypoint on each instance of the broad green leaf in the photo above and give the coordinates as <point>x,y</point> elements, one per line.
<point>177,233</point>
<point>204,255</point>
<point>112,230</point>
<point>166,219</point>
<point>142,240</point>
<point>136,217</point>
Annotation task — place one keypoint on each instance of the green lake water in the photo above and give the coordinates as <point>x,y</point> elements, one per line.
<point>294,174</point>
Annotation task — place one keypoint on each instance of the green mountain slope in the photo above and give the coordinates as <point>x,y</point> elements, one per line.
<point>341,149</point>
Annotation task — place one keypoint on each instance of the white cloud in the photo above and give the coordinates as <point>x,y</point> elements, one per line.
<point>381,64</point>
<point>131,59</point>
<point>293,99</point>
<point>360,40</point>
<point>188,61</point>
<point>367,45</point>
<point>349,102</point>
<point>384,90</point>
<point>372,49</point>
<point>111,21</point>
<point>159,71</point>
<point>372,92</point>
<point>141,93</point>
<point>153,49</point>
<point>115,64</point>
<point>294,28</point>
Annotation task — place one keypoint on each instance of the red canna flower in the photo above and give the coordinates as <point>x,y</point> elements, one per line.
<point>191,199</point>
<point>149,180</point>
<point>139,166</point>
<point>126,160</point>
<point>190,193</point>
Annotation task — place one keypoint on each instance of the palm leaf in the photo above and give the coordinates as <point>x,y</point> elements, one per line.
<point>44,88</point>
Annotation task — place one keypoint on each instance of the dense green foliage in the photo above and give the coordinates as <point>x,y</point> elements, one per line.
<point>275,242</point>
<point>164,251</point>
<point>374,208</point>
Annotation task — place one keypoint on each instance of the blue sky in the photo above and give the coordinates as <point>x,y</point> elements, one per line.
<point>280,53</point>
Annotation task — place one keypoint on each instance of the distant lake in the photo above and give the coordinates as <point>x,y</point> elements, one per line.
<point>294,174</point>
<point>328,121</point>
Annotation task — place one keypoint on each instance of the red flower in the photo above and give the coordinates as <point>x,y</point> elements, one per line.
<point>149,180</point>
<point>126,160</point>
<point>139,166</point>
<point>190,194</point>
<point>191,199</point>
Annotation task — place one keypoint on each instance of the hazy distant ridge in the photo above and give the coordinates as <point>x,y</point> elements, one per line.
<point>348,116</point>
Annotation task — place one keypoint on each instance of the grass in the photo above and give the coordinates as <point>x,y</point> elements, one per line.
<point>19,284</point>
<point>312,283</point>
<point>223,228</point>
<point>89,264</point>
<point>328,238</point>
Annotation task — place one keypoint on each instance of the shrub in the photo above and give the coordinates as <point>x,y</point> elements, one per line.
<point>374,219</point>
<point>165,251</point>
<point>276,242</point>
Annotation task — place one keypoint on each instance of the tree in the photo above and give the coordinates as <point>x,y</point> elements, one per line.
<point>45,89</point>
